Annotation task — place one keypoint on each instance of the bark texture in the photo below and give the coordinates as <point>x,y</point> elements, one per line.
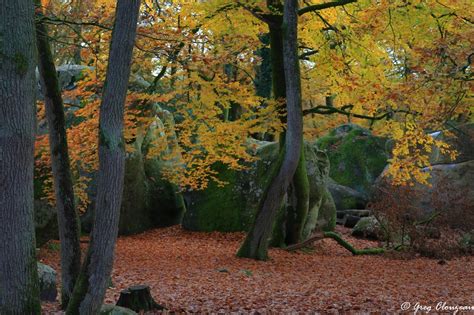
<point>299,202</point>
<point>90,288</point>
<point>68,219</point>
<point>256,243</point>
<point>19,292</point>
<point>138,298</point>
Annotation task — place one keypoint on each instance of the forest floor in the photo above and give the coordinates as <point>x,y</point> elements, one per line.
<point>199,272</point>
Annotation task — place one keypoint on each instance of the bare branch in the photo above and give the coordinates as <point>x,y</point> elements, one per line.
<point>321,6</point>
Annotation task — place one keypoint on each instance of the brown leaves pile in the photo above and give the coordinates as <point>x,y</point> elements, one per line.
<point>199,272</point>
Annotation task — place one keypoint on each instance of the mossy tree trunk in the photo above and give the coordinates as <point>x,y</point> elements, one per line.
<point>257,240</point>
<point>299,193</point>
<point>299,202</point>
<point>19,292</point>
<point>90,288</point>
<point>68,219</point>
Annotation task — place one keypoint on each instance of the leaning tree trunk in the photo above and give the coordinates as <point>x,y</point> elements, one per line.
<point>299,192</point>
<point>90,287</point>
<point>19,293</point>
<point>299,202</point>
<point>68,219</point>
<point>256,243</point>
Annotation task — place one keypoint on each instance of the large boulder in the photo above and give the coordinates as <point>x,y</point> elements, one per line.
<point>233,206</point>
<point>447,181</point>
<point>368,227</point>
<point>46,222</point>
<point>149,200</point>
<point>327,213</point>
<point>460,138</point>
<point>357,157</point>
<point>346,197</point>
<point>448,192</point>
<point>47,282</point>
<point>110,309</point>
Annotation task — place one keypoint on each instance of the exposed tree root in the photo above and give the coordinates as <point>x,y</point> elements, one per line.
<point>340,241</point>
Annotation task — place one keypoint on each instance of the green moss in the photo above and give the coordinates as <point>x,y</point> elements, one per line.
<point>148,199</point>
<point>349,247</point>
<point>80,289</point>
<point>297,215</point>
<point>327,213</point>
<point>231,207</point>
<point>134,215</point>
<point>217,208</point>
<point>357,158</point>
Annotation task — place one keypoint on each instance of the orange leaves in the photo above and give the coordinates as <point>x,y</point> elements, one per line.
<point>411,153</point>
<point>198,272</point>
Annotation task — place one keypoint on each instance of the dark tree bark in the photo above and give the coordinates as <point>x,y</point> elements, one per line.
<point>90,288</point>
<point>138,298</point>
<point>299,194</point>
<point>78,30</point>
<point>19,292</point>
<point>256,243</point>
<point>68,219</point>
<point>299,202</point>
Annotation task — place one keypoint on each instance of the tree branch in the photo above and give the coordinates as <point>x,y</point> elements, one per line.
<point>321,6</point>
<point>346,110</point>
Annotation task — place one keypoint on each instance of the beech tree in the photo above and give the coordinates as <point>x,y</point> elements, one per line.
<point>19,293</point>
<point>90,288</point>
<point>256,243</point>
<point>68,219</point>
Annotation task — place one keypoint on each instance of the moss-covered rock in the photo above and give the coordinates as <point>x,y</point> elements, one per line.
<point>46,222</point>
<point>327,213</point>
<point>47,282</point>
<point>165,201</point>
<point>346,197</point>
<point>233,206</point>
<point>357,157</point>
<point>149,200</point>
<point>367,227</point>
<point>135,213</point>
<point>110,309</point>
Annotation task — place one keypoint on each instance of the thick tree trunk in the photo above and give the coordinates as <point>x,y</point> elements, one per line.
<point>19,292</point>
<point>299,194</point>
<point>299,207</point>
<point>256,243</point>
<point>78,30</point>
<point>68,219</point>
<point>90,288</point>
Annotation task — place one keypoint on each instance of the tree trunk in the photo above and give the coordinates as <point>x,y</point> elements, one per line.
<point>256,243</point>
<point>90,288</point>
<point>138,298</point>
<point>68,219</point>
<point>299,195</point>
<point>19,292</point>
<point>77,58</point>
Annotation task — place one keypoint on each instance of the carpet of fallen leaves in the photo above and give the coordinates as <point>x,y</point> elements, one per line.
<point>199,272</point>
